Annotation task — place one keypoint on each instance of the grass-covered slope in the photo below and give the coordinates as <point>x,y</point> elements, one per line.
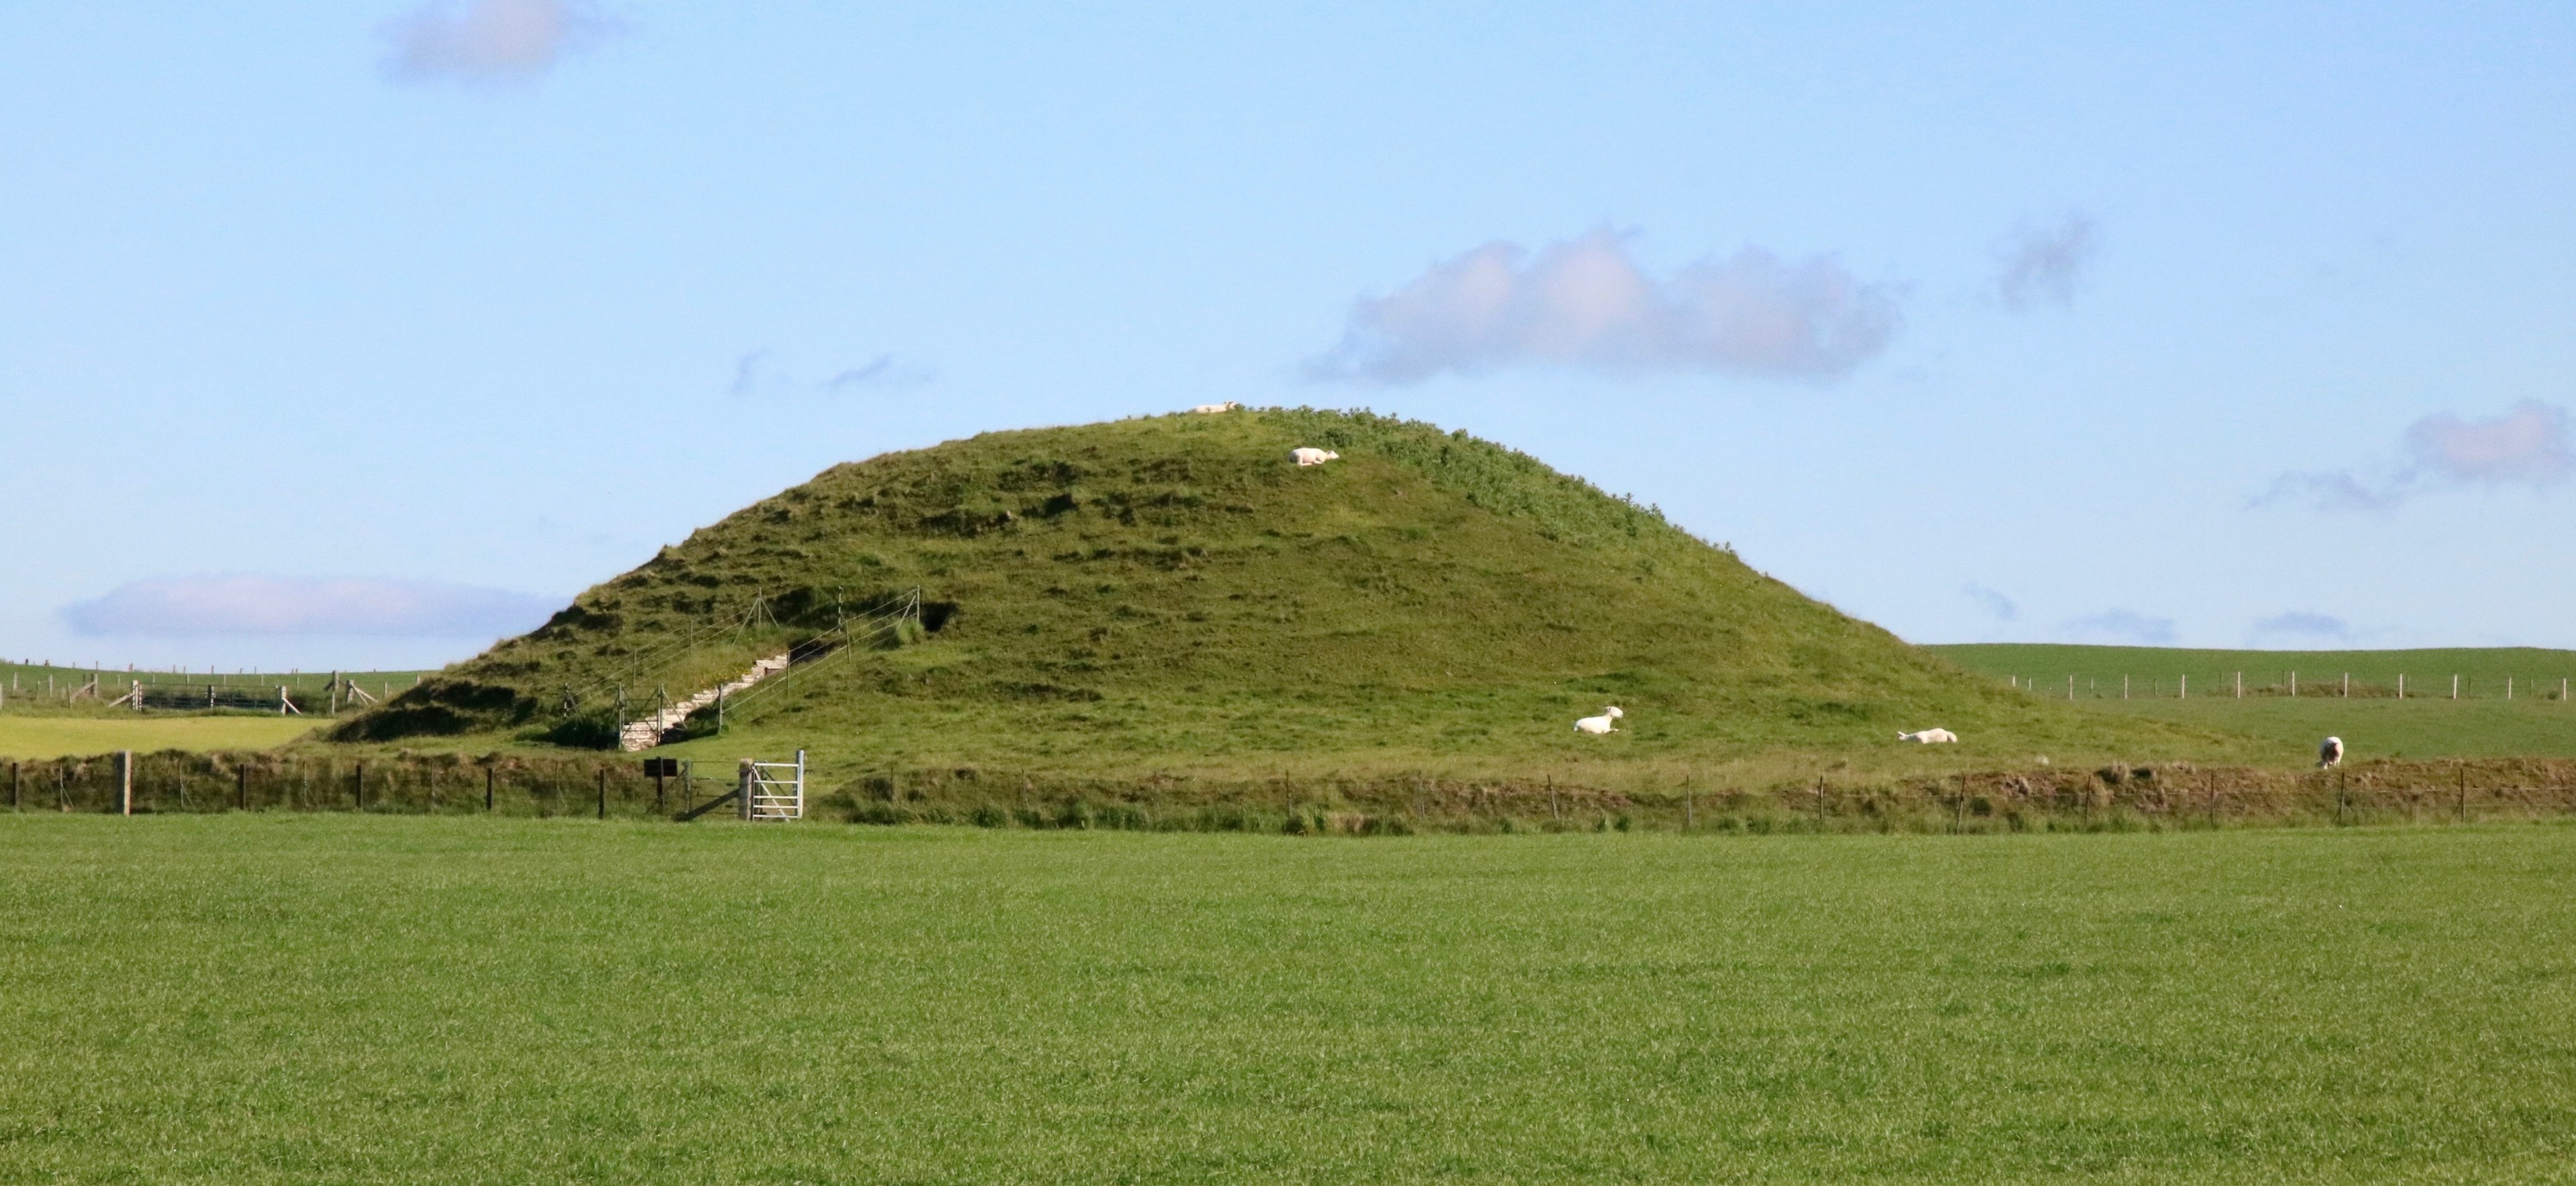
<point>1171,593</point>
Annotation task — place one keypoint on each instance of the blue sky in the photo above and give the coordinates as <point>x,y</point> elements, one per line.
<point>339,335</point>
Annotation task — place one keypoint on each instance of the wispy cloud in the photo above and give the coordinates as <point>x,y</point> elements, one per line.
<point>2046,263</point>
<point>2302,625</point>
<point>250,604</point>
<point>1585,303</point>
<point>1996,605</point>
<point>2528,445</point>
<point>757,373</point>
<point>491,40</point>
<point>2120,625</point>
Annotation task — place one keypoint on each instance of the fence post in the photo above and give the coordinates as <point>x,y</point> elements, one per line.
<point>603,792</point>
<point>2401,685</point>
<point>487,788</point>
<point>13,786</point>
<point>2240,685</point>
<point>358,788</point>
<point>2347,685</point>
<point>742,781</point>
<point>125,781</point>
<point>241,786</point>
<point>2124,687</point>
<point>2455,687</point>
<point>2182,688</point>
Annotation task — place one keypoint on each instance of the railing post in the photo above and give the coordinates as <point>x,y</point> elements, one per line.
<point>745,780</point>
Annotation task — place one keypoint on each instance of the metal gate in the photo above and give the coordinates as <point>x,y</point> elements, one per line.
<point>773,790</point>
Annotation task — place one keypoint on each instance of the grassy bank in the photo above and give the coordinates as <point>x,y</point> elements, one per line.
<point>2109,797</point>
<point>249,999</point>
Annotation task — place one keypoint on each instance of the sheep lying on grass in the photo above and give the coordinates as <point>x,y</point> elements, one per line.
<point>1601,724</point>
<point>1313,456</point>
<point>1929,736</point>
<point>1227,406</point>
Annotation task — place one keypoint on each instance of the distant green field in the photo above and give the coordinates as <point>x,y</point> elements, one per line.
<point>2164,672</point>
<point>2372,722</point>
<point>66,736</point>
<point>250,999</point>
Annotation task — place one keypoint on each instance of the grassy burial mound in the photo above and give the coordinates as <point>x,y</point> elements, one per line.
<point>1171,594</point>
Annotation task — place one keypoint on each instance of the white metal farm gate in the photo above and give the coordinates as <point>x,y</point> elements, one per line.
<point>773,790</point>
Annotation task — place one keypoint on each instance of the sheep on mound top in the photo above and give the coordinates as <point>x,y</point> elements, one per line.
<point>1599,725</point>
<point>1305,457</point>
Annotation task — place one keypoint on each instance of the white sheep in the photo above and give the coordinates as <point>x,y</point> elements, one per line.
<point>1210,409</point>
<point>1313,456</point>
<point>2330,754</point>
<point>1929,736</point>
<point>1599,725</point>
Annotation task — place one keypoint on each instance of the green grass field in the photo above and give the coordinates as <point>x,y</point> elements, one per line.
<point>302,998</point>
<point>57,736</point>
<point>2372,722</point>
<point>2161,672</point>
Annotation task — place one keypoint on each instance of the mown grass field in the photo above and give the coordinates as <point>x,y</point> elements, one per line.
<point>57,736</point>
<point>2482,723</point>
<point>300,998</point>
<point>2160,672</point>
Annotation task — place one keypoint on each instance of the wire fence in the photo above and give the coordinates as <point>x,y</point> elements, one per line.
<point>2247,685</point>
<point>38,686</point>
<point>2175,795</point>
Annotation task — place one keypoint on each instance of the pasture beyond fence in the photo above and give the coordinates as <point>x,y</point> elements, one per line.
<point>2242,685</point>
<point>2171,795</point>
<point>41,685</point>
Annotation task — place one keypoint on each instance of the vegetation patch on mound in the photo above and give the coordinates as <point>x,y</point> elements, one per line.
<point>1171,593</point>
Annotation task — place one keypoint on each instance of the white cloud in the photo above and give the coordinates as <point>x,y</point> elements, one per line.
<point>491,40</point>
<point>247,604</point>
<point>1994,603</point>
<point>2303,625</point>
<point>1585,303</point>
<point>2527,445</point>
<point>2120,625</point>
<point>2047,264</point>
<point>756,373</point>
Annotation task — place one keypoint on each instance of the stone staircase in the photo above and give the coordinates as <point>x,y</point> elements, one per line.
<point>649,732</point>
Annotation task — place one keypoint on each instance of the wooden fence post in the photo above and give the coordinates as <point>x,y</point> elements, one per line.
<point>2347,685</point>
<point>603,792</point>
<point>2240,685</point>
<point>358,788</point>
<point>2455,687</point>
<point>125,781</point>
<point>487,788</point>
<point>241,786</point>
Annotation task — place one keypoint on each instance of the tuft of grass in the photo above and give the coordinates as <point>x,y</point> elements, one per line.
<point>298,998</point>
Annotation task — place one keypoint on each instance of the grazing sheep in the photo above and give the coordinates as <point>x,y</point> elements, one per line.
<point>1599,725</point>
<point>2330,754</point>
<point>1227,406</point>
<point>1929,736</point>
<point>1313,456</point>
